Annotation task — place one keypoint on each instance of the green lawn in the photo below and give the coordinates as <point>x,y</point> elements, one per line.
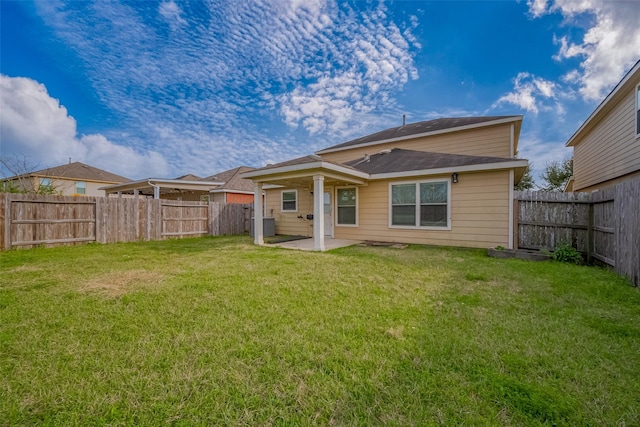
<point>216,331</point>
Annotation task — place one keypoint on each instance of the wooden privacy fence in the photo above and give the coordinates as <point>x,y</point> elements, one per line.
<point>28,220</point>
<point>604,225</point>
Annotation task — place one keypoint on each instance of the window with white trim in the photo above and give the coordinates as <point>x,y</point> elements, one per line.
<point>347,203</point>
<point>289,201</point>
<point>423,204</point>
<point>81,187</point>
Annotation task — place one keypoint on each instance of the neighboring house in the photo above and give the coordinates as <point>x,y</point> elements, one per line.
<point>235,188</point>
<point>189,177</point>
<point>444,182</point>
<point>606,148</point>
<point>72,179</point>
<point>224,187</point>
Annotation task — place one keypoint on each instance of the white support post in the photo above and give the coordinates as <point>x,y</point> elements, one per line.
<point>318,212</point>
<point>156,192</point>
<point>258,232</point>
<point>135,193</point>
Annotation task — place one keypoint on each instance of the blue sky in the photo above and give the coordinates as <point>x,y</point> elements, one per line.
<point>168,88</point>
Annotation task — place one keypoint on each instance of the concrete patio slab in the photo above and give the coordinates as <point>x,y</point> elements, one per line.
<point>307,244</point>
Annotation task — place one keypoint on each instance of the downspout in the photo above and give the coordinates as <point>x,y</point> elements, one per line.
<point>156,190</point>
<point>512,152</point>
<point>512,141</point>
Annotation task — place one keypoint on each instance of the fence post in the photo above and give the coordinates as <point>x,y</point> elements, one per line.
<point>7,222</point>
<point>516,212</point>
<point>590,234</point>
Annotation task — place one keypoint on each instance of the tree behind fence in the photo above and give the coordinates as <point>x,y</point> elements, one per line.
<point>32,220</point>
<point>604,225</point>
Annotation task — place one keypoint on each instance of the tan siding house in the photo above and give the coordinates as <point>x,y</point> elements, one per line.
<point>606,148</point>
<point>441,182</point>
<point>72,179</point>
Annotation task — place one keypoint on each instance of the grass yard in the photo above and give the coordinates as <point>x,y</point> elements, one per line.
<point>216,331</point>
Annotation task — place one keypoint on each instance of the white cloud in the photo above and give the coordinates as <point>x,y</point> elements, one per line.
<point>537,8</point>
<point>172,13</point>
<point>373,59</point>
<point>540,153</point>
<point>609,47</point>
<point>237,82</point>
<point>530,93</point>
<point>35,124</point>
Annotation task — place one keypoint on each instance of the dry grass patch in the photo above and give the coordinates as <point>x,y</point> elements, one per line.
<point>118,283</point>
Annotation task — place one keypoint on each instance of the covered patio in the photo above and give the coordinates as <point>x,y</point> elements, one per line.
<point>309,173</point>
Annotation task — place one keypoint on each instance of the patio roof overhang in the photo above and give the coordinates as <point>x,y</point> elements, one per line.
<point>301,174</point>
<point>157,186</point>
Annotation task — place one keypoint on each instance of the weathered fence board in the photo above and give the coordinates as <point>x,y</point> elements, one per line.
<point>627,233</point>
<point>31,220</point>
<point>546,220</point>
<point>604,225</point>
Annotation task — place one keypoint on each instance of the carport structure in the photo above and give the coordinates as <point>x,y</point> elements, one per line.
<point>158,187</point>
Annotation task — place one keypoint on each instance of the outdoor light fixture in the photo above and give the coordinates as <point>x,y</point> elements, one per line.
<point>454,177</point>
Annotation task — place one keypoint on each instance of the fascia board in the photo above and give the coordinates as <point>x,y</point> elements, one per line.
<point>268,174</point>
<point>231,191</point>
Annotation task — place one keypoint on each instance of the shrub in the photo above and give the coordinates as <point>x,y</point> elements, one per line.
<point>567,253</point>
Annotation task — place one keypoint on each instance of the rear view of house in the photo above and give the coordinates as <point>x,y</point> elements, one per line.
<point>445,182</point>
<point>606,148</point>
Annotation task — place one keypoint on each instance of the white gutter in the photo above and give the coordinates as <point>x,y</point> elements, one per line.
<point>175,183</point>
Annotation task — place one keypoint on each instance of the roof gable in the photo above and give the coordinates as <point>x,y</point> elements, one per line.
<point>414,130</point>
<point>232,179</point>
<point>189,177</point>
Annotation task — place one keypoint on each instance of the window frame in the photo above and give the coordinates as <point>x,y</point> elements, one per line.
<point>337,220</point>
<point>417,225</point>
<point>282,209</point>
<point>84,188</point>
<point>46,182</point>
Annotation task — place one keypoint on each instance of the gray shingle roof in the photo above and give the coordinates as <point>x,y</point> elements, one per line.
<point>232,180</point>
<point>80,171</point>
<point>189,177</point>
<point>399,160</point>
<point>312,158</point>
<point>418,128</point>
